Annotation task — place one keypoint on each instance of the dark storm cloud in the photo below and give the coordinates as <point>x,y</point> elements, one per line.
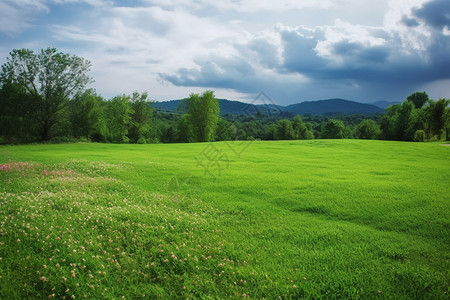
<point>356,60</point>
<point>353,58</point>
<point>440,57</point>
<point>299,56</point>
<point>290,49</point>
<point>215,72</point>
<point>299,52</point>
<point>361,55</point>
<point>435,13</point>
<point>359,62</point>
<point>239,74</point>
<point>410,22</point>
<point>349,58</point>
<point>265,52</point>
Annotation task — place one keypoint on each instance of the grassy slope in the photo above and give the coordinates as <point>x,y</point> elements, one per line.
<point>343,219</point>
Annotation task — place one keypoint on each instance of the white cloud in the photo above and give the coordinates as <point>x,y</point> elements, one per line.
<point>95,3</point>
<point>446,31</point>
<point>344,32</point>
<point>137,35</point>
<point>284,47</point>
<point>243,5</point>
<point>140,42</point>
<point>17,16</point>
<point>343,56</point>
<point>412,38</point>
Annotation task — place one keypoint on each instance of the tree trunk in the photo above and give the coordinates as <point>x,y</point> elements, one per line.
<point>45,131</point>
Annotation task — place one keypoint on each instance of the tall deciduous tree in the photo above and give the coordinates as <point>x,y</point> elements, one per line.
<point>185,129</point>
<point>447,124</point>
<point>17,119</point>
<point>401,121</point>
<point>301,130</point>
<point>119,114</point>
<point>404,121</point>
<point>436,117</point>
<point>368,129</point>
<point>140,125</point>
<point>418,98</point>
<point>389,123</point>
<point>203,111</point>
<point>285,131</point>
<point>224,130</point>
<point>88,117</point>
<point>52,78</point>
<point>334,129</point>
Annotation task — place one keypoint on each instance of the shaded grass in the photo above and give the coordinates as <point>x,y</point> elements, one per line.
<point>312,219</point>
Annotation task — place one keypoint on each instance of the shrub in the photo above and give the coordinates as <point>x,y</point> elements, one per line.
<point>142,141</point>
<point>419,136</point>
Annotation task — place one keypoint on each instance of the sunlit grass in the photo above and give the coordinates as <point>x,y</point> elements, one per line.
<point>334,219</point>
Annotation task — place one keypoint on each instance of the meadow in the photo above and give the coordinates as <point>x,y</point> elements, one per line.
<point>348,219</point>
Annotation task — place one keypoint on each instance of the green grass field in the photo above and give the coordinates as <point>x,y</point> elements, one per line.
<point>290,219</point>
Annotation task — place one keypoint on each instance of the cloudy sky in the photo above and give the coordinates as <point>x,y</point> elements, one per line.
<point>293,50</point>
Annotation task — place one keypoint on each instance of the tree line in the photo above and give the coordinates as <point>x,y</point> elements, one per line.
<point>43,98</point>
<point>418,118</point>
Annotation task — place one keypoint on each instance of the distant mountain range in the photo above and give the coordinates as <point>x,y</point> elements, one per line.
<point>383,104</point>
<point>328,107</point>
<point>333,107</point>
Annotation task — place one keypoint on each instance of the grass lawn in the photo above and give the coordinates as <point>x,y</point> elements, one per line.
<point>290,219</point>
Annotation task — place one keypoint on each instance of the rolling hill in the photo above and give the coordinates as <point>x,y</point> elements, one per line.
<point>327,107</point>
<point>332,107</point>
<point>383,104</point>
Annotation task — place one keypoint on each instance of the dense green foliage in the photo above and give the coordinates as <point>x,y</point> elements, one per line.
<point>314,219</point>
<point>419,99</point>
<point>88,117</point>
<point>49,79</point>
<point>368,129</point>
<point>140,130</point>
<point>202,115</point>
<point>239,218</point>
<point>42,98</point>
<point>334,129</point>
<point>402,121</point>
